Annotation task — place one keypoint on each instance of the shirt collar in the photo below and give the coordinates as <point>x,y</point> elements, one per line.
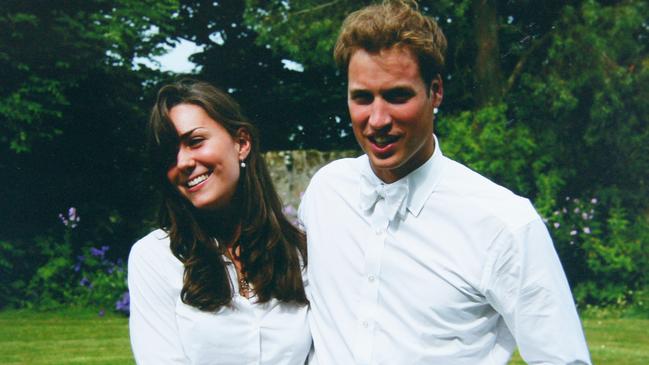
<point>421,182</point>
<point>424,180</point>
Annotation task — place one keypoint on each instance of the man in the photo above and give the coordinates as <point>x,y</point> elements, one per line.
<point>414,258</point>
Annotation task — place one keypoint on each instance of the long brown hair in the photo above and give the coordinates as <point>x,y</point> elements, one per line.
<point>271,249</point>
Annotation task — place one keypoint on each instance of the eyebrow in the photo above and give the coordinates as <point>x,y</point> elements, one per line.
<point>187,134</point>
<point>395,89</point>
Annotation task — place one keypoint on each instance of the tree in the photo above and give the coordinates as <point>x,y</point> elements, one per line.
<point>72,111</point>
<point>47,48</point>
<point>287,105</point>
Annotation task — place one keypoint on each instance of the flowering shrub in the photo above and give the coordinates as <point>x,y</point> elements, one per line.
<point>103,281</point>
<point>77,273</point>
<point>601,254</point>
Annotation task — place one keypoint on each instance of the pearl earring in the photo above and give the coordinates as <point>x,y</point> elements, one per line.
<point>243,164</point>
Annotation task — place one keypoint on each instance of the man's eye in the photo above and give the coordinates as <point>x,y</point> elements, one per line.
<point>361,98</point>
<point>398,97</point>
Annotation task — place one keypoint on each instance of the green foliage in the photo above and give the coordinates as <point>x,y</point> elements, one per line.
<point>102,279</point>
<point>603,254</point>
<point>488,142</point>
<point>14,274</point>
<point>53,282</point>
<point>584,98</point>
<point>47,48</point>
<point>63,270</point>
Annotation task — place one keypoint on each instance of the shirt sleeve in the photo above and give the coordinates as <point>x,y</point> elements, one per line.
<point>152,324</point>
<point>303,208</point>
<point>526,284</point>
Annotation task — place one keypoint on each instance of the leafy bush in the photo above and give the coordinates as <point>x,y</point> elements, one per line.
<point>490,142</point>
<point>14,273</point>
<point>52,283</point>
<point>68,271</point>
<point>103,281</point>
<point>603,254</point>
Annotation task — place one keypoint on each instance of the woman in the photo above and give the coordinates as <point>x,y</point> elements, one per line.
<point>220,282</point>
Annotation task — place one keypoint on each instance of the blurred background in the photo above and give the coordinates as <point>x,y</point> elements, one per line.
<point>548,98</point>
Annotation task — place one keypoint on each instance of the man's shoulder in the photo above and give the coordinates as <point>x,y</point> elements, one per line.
<point>492,199</point>
<point>339,170</point>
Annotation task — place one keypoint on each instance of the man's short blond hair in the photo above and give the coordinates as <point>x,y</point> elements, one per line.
<point>393,23</point>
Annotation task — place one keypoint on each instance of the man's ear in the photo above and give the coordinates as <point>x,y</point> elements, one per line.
<point>437,91</point>
<point>244,141</point>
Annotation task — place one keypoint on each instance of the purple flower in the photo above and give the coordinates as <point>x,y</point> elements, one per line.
<point>573,232</point>
<point>63,220</point>
<point>80,260</point>
<point>289,210</point>
<point>594,200</point>
<point>124,303</point>
<point>587,230</point>
<point>557,224</point>
<point>96,252</point>
<point>71,219</point>
<point>85,282</point>
<point>99,252</point>
<point>101,313</point>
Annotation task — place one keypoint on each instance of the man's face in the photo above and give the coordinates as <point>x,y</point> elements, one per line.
<point>391,110</point>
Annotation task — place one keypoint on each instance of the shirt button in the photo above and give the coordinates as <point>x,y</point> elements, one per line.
<point>378,231</point>
<point>365,324</point>
<point>371,278</point>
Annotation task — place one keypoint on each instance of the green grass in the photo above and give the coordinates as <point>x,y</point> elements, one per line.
<point>614,341</point>
<point>71,336</point>
<point>80,336</point>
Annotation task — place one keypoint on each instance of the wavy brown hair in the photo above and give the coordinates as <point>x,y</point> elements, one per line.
<point>393,23</point>
<point>270,248</point>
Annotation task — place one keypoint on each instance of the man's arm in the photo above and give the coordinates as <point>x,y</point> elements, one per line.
<point>526,284</point>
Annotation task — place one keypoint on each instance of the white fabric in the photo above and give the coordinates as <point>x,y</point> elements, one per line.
<point>166,331</point>
<point>467,274</point>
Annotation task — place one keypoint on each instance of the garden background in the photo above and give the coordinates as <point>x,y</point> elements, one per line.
<point>548,98</point>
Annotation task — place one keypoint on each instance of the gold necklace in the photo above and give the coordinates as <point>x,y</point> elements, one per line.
<point>244,287</point>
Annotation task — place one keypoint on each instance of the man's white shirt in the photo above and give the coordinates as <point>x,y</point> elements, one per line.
<point>463,273</point>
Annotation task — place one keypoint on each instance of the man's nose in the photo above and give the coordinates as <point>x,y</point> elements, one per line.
<point>379,116</point>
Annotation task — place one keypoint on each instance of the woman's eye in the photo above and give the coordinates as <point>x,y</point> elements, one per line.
<point>196,141</point>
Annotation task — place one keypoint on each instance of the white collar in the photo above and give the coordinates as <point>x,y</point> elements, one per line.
<point>421,182</point>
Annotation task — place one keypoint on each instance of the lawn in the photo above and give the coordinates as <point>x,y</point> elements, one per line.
<point>83,337</point>
<point>63,337</point>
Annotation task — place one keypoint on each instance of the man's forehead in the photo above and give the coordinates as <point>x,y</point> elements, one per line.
<point>395,66</point>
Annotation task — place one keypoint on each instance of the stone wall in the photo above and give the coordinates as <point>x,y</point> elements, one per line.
<point>292,170</point>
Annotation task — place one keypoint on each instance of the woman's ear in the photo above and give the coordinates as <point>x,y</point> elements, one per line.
<point>244,142</point>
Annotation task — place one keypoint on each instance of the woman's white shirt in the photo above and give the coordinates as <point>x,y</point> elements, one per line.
<point>164,330</point>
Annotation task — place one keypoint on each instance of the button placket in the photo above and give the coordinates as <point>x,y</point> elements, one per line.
<point>369,296</point>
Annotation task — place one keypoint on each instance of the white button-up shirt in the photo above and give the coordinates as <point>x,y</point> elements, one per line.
<point>164,330</point>
<point>463,276</point>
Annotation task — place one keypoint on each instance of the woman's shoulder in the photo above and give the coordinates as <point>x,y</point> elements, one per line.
<point>153,249</point>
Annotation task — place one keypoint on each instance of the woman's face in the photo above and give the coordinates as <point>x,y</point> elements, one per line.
<point>206,170</point>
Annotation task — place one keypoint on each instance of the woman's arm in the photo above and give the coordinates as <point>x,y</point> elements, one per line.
<point>152,276</point>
